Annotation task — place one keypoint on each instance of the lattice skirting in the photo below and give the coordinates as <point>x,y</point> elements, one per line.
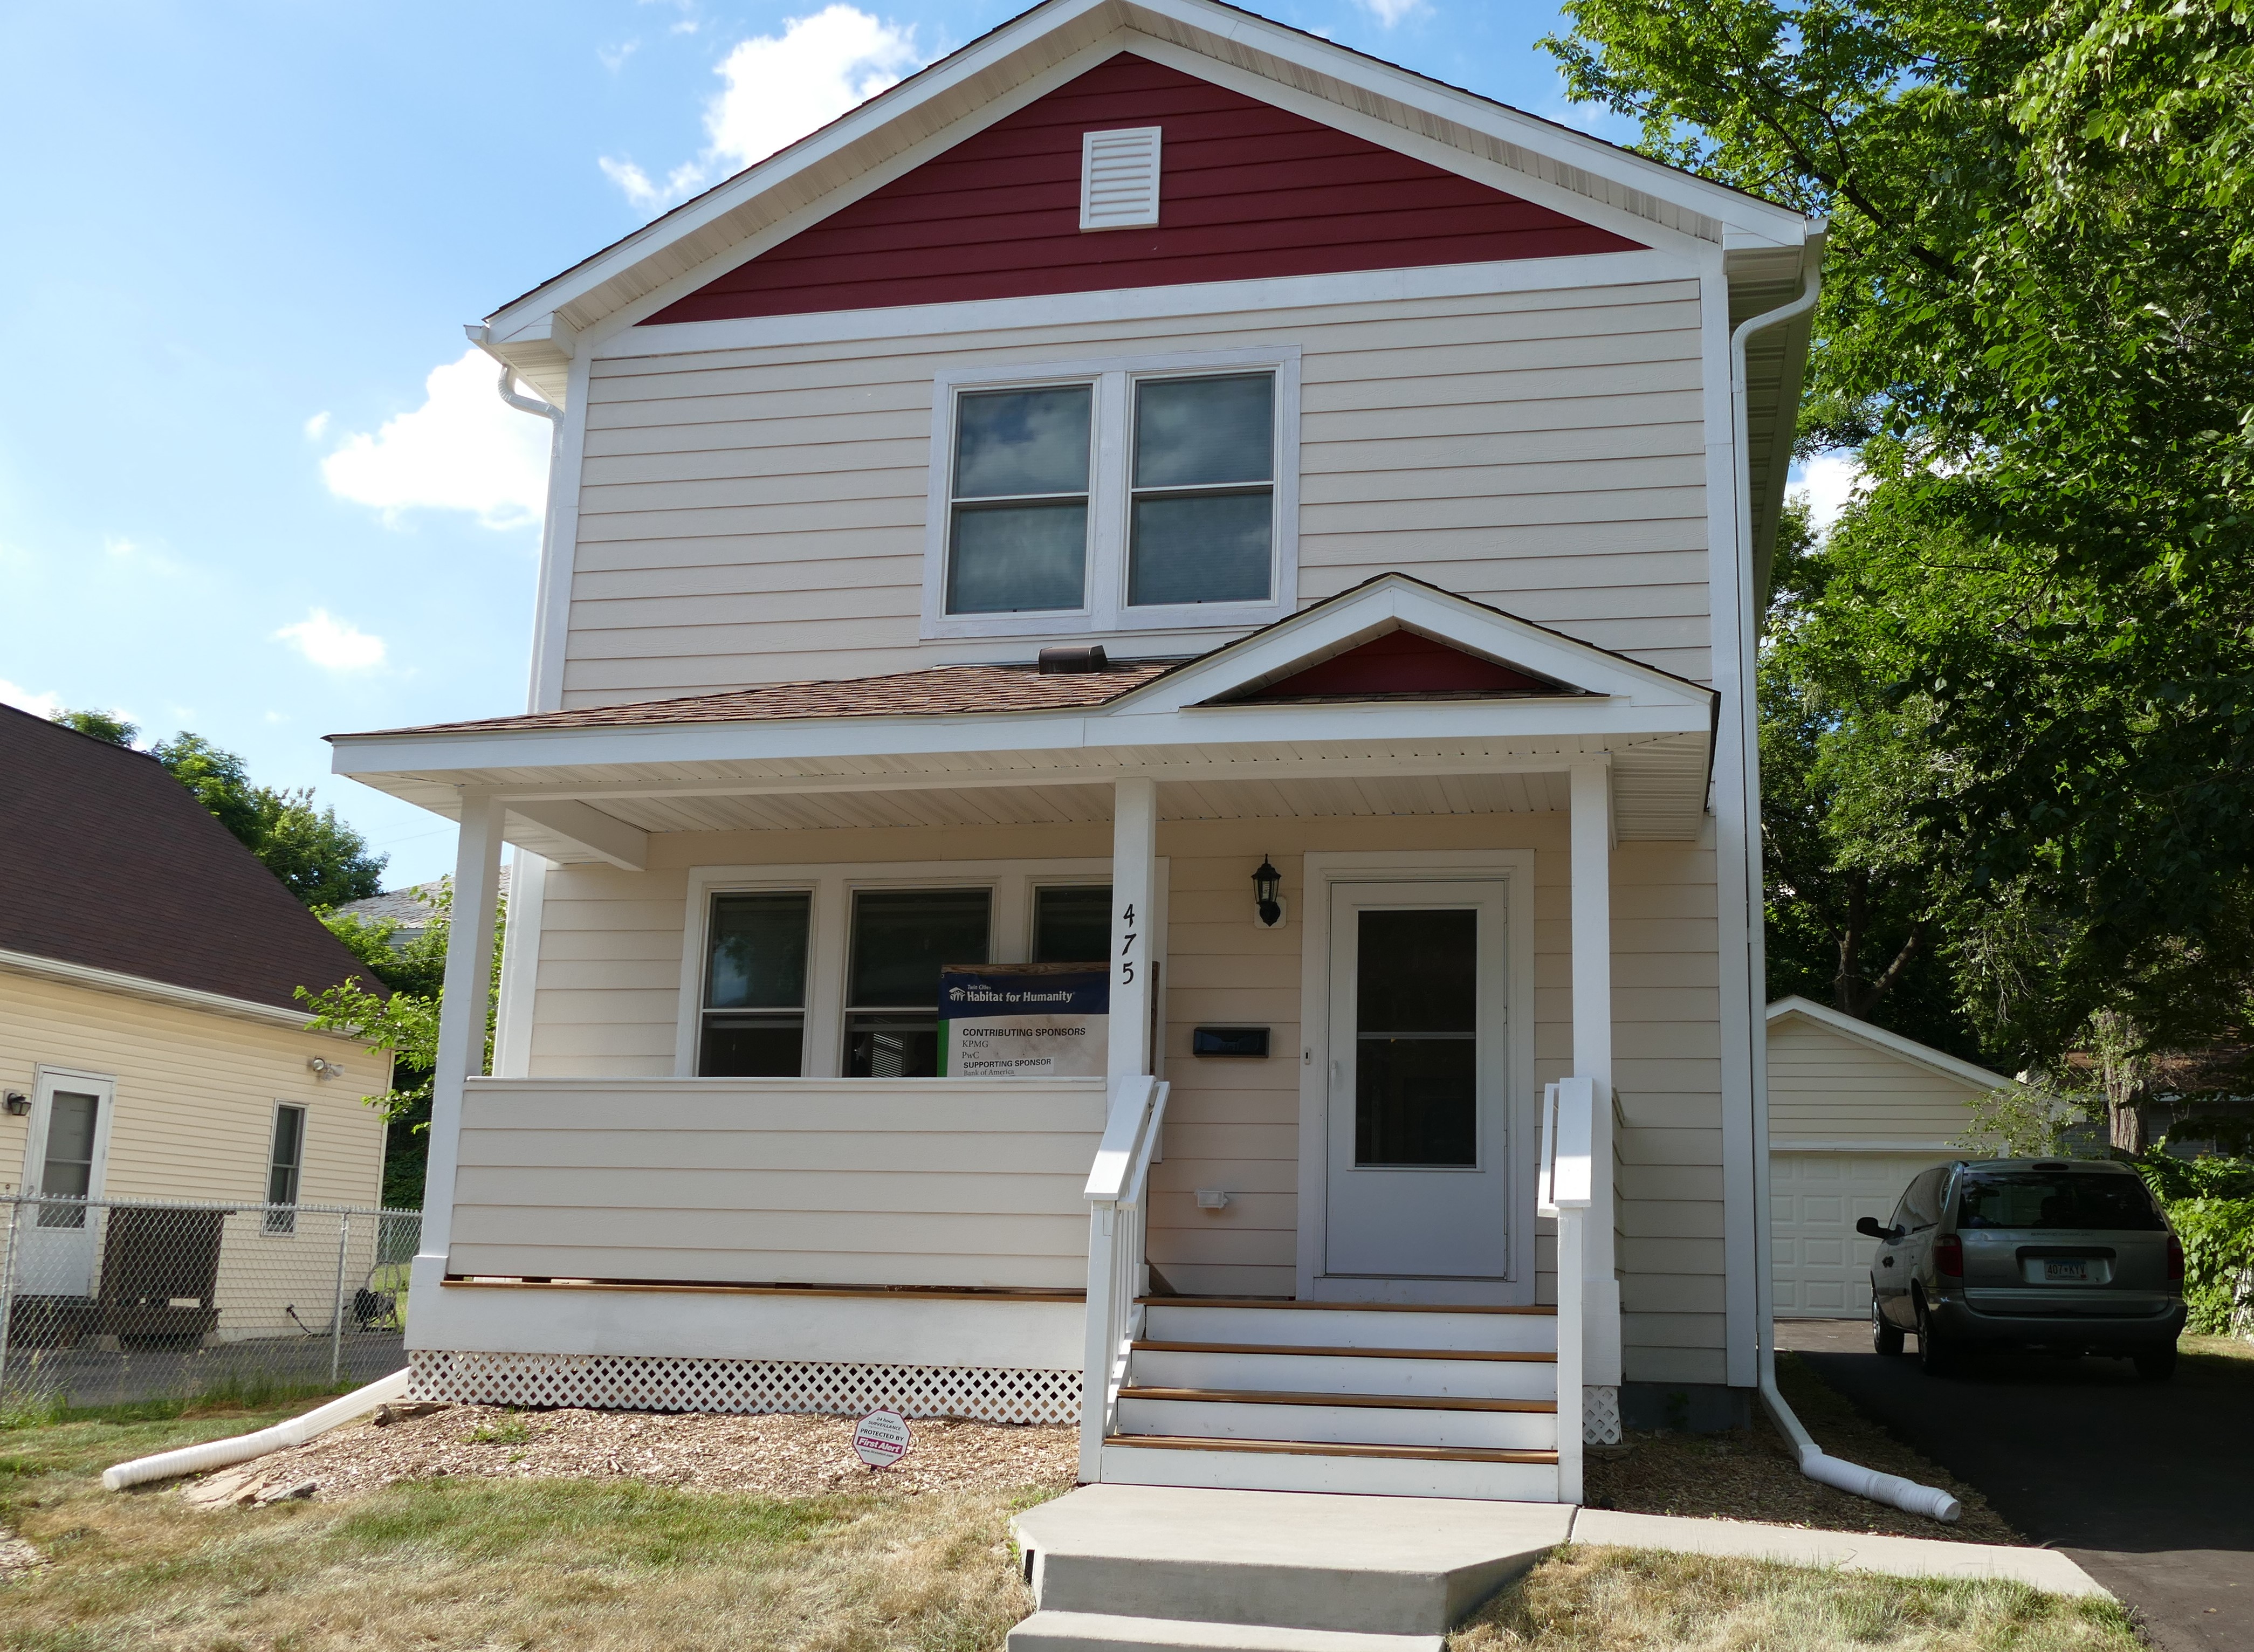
<point>1601,1418</point>
<point>642,1382</point>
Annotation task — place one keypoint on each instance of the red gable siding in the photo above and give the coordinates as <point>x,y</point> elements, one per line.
<point>1247,191</point>
<point>1403,662</point>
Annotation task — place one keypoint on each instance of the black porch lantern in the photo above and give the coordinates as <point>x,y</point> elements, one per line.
<point>1267,884</point>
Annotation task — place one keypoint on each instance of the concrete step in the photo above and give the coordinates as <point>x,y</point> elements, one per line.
<point>1389,1566</point>
<point>1340,1468</point>
<point>1091,1631</point>
<point>1353,1326</point>
<point>1328,1418</point>
<point>1324,1369</point>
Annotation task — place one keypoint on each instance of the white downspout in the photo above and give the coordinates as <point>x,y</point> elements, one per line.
<point>481,336</point>
<point>1928,1500</point>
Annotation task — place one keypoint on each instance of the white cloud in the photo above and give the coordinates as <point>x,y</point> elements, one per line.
<point>463,449</point>
<point>1389,12</point>
<point>24,700</point>
<point>332,644</point>
<point>1830,480</point>
<point>779,88</point>
<point>317,427</point>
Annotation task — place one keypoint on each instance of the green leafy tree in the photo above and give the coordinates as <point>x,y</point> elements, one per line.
<point>102,725</point>
<point>404,1022</point>
<point>2035,639</point>
<point>318,858</point>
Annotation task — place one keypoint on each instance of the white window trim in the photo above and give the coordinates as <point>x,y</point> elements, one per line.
<point>1106,608</point>
<point>832,886</point>
<point>266,1193</point>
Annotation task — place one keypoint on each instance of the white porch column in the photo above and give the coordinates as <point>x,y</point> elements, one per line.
<point>1134,885</point>
<point>1592,1059</point>
<point>461,1025</point>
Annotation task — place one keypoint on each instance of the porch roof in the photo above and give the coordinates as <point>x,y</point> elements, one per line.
<point>1003,743</point>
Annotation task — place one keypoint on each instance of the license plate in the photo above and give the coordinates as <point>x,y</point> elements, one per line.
<point>2071,1268</point>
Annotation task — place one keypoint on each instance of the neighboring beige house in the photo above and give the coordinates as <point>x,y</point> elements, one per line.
<point>150,1047</point>
<point>1162,492</point>
<point>1854,1112</point>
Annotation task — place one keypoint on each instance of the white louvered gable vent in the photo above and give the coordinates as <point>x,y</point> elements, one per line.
<point>1119,179</point>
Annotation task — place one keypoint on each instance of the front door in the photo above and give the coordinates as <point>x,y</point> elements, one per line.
<point>69,1140</point>
<point>1418,1177</point>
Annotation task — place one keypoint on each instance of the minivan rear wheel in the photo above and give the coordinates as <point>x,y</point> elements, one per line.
<point>1935,1354</point>
<point>2157,1365</point>
<point>1886,1335</point>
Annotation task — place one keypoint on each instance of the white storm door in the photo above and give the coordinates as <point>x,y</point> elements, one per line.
<point>64,1159</point>
<point>1419,1153</point>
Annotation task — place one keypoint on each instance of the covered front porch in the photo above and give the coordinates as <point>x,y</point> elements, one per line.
<point>611,1218</point>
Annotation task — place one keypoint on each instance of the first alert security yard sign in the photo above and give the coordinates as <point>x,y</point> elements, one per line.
<point>882,1438</point>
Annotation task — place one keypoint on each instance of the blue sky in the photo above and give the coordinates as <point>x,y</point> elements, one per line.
<point>249,483</point>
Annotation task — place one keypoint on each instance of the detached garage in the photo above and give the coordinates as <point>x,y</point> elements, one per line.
<point>1854,1111</point>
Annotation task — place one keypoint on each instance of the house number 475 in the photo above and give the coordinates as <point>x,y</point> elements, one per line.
<point>1127,945</point>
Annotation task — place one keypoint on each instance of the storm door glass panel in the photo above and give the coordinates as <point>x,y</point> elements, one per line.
<point>285,1165</point>
<point>1203,509</point>
<point>68,1172</point>
<point>1018,526</point>
<point>1417,1039</point>
<point>902,939</point>
<point>1072,924</point>
<point>754,1011</point>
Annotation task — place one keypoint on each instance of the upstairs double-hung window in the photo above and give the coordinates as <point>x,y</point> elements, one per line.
<point>1125,499</point>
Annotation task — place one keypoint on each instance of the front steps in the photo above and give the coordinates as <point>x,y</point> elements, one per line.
<point>1251,1394</point>
<point>1118,1568</point>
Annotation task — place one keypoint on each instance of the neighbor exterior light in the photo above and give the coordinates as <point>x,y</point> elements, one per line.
<point>18,1103</point>
<point>1267,885</point>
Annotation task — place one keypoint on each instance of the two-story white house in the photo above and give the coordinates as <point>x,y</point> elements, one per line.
<point>1159,492</point>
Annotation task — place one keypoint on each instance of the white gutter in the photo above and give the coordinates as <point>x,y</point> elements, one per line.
<point>1928,1500</point>
<point>220,1453</point>
<point>481,336</point>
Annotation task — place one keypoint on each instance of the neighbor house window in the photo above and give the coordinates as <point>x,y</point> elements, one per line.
<point>285,1165</point>
<point>901,939</point>
<point>1018,539</point>
<point>1140,495</point>
<point>754,1009</point>
<point>1204,502</point>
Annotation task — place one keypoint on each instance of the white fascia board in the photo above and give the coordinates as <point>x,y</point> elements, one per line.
<point>1268,295</point>
<point>1748,219</point>
<point>1890,1043</point>
<point>165,993</point>
<point>605,837</point>
<point>519,753</point>
<point>1393,600</point>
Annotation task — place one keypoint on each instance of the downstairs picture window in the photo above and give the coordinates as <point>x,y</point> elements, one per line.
<point>901,939</point>
<point>754,1009</point>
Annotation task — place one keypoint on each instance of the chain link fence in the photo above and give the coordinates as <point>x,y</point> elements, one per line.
<point>106,1302</point>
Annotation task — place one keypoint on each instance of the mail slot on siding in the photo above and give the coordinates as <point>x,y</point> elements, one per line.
<point>1230,1040</point>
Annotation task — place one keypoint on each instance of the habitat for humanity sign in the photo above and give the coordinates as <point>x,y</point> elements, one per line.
<point>1023,1020</point>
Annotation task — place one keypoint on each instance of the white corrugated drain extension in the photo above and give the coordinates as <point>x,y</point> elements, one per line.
<point>221,1453</point>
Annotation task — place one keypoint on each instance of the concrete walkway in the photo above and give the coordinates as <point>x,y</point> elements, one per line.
<point>1119,1568</point>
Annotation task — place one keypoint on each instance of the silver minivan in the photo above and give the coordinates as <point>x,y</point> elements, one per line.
<point>2038,1254</point>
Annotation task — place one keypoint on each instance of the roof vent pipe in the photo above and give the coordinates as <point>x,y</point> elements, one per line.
<point>1073,659</point>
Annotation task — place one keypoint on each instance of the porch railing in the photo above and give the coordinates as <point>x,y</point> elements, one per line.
<point>1118,1266</point>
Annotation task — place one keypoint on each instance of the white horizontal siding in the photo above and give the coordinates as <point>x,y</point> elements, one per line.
<point>1825,1085</point>
<point>759,514</point>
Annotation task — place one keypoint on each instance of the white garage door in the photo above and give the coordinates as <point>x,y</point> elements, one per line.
<point>1822,1266</point>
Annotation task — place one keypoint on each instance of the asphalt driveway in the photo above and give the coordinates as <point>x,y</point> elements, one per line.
<point>2150,1486</point>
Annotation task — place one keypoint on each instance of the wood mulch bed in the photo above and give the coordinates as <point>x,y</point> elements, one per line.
<point>1750,1474</point>
<point>776,1456</point>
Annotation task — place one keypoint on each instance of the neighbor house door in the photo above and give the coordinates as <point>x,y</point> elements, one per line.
<point>1419,1185</point>
<point>64,1160</point>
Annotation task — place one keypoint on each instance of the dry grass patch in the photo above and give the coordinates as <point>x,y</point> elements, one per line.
<point>493,1563</point>
<point>1585,1598</point>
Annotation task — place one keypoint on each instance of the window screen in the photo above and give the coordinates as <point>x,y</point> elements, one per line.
<point>902,939</point>
<point>754,1010</point>
<point>285,1165</point>
<point>1071,924</point>
<point>1203,507</point>
<point>1018,530</point>
<point>67,1171</point>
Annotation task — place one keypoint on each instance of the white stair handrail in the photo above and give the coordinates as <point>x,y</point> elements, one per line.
<point>1565,1193</point>
<point>1118,1222</point>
